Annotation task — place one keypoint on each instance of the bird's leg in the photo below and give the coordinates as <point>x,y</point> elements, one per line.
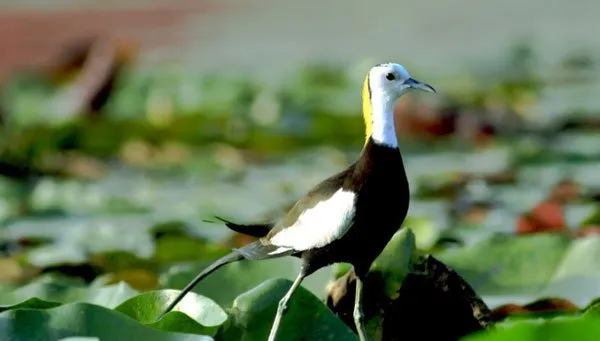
<point>358,313</point>
<point>283,305</point>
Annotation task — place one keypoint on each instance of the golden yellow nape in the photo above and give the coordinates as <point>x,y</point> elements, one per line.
<point>367,109</point>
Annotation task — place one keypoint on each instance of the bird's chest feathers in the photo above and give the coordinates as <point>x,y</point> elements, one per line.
<point>382,201</point>
<point>383,194</point>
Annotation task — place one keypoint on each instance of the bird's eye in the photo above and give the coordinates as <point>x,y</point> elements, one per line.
<point>390,77</point>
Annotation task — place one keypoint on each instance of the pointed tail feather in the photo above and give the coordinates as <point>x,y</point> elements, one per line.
<point>229,258</point>
<point>253,230</point>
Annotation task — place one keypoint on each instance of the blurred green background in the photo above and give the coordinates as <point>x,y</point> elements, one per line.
<point>125,126</point>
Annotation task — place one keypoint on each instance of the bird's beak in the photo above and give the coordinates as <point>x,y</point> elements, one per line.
<point>417,85</point>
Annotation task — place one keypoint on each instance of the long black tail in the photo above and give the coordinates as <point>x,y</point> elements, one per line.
<point>254,230</point>
<point>229,258</point>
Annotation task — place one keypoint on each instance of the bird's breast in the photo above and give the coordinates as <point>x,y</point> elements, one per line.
<point>382,204</point>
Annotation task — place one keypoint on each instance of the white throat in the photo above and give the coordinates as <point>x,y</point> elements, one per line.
<point>383,130</point>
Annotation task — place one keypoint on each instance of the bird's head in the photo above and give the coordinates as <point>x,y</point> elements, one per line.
<point>383,86</point>
<point>392,81</point>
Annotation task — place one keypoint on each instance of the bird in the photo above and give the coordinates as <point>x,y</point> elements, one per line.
<point>348,217</point>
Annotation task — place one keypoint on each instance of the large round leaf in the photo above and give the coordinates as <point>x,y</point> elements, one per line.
<point>306,317</point>
<point>31,303</point>
<point>520,269</point>
<point>80,319</point>
<point>193,314</point>
<point>581,328</point>
<point>49,291</point>
<point>48,288</point>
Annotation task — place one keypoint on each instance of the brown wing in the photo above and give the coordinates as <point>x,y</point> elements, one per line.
<point>321,192</point>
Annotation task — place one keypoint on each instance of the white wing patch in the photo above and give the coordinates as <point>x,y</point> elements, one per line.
<point>318,226</point>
